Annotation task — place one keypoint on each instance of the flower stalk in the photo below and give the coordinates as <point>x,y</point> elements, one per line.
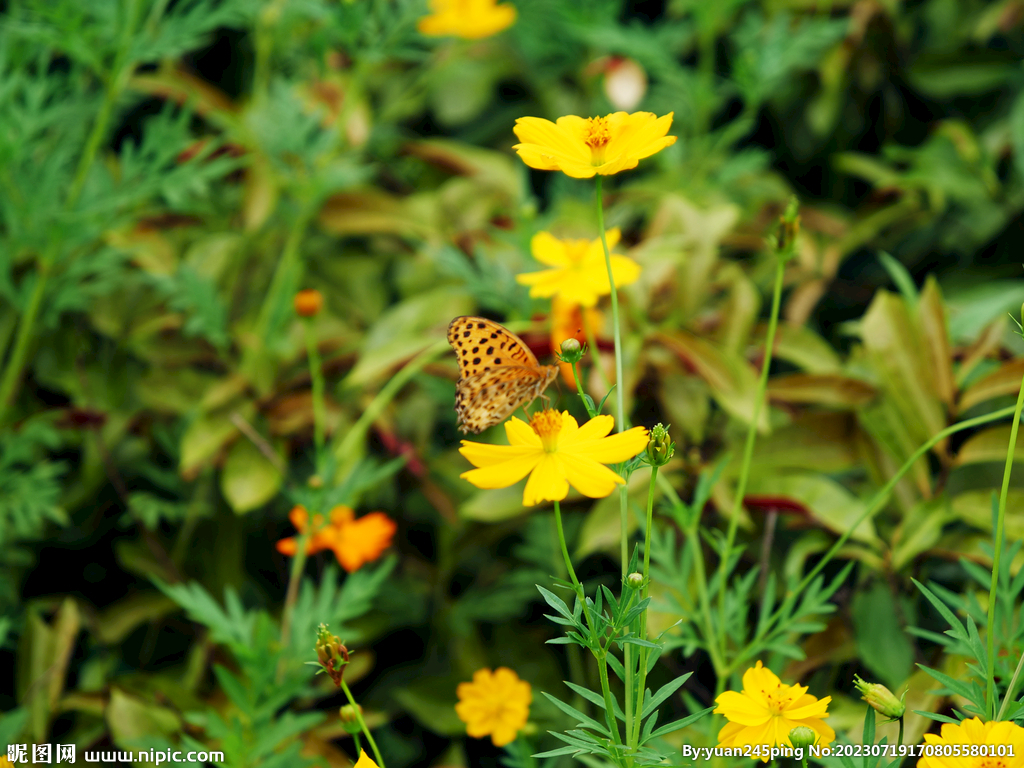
<point>990,697</point>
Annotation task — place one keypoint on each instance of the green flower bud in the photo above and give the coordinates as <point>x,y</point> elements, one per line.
<point>331,653</point>
<point>635,580</point>
<point>881,699</point>
<point>660,448</point>
<point>350,718</point>
<point>802,737</point>
<point>572,351</point>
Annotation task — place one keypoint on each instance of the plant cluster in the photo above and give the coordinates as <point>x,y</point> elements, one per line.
<point>711,522</point>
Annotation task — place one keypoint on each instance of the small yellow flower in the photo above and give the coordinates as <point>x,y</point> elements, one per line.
<point>580,147</point>
<point>767,710</point>
<point>469,19</point>
<point>1005,736</point>
<point>364,761</point>
<point>555,452</point>
<point>494,704</point>
<point>579,274</point>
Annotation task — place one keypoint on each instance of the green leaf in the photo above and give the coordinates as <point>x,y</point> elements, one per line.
<point>901,277</point>
<point>675,726</point>
<point>881,641</point>
<point>131,719</point>
<point>663,693</point>
<point>249,479</point>
<point>582,719</point>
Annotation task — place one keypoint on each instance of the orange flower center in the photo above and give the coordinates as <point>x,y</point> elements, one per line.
<point>547,424</point>
<point>596,135</point>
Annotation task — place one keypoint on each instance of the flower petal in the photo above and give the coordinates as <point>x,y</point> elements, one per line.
<point>521,434</point>
<point>552,139</point>
<point>486,455</point>
<point>741,709</point>
<point>588,477</point>
<point>548,249</point>
<point>595,429</point>
<point>504,474</point>
<point>613,449</point>
<point>547,482</point>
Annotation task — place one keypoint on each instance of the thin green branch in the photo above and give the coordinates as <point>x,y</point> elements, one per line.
<point>1000,520</point>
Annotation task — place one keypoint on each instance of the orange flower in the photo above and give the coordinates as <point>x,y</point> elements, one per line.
<point>357,542</point>
<point>354,542</point>
<point>318,541</point>
<point>309,302</point>
<point>570,321</point>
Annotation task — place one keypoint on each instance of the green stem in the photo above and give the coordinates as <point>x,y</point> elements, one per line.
<point>582,394</point>
<point>748,448</point>
<point>1011,689</point>
<point>362,724</point>
<point>565,554</point>
<point>876,504</point>
<point>700,575</point>
<point>294,577</point>
<point>609,709</point>
<point>1000,519</point>
<point>645,593</point>
<point>899,740</point>
<point>12,373</point>
<point>319,410</point>
<point>119,74</point>
<point>385,396</point>
<point>595,352</point>
<point>285,266</point>
<point>358,744</point>
<point>619,406</point>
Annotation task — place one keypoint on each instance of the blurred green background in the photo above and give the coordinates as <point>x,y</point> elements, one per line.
<point>173,171</point>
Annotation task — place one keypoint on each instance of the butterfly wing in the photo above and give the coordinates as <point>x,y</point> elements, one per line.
<point>481,344</point>
<point>488,397</point>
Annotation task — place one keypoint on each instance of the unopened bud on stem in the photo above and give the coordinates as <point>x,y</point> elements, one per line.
<point>660,447</point>
<point>802,737</point>
<point>881,699</point>
<point>572,351</point>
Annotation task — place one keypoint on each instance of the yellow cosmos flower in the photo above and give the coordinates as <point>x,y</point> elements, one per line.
<point>579,274</point>
<point>767,710</point>
<point>364,761</point>
<point>494,704</point>
<point>555,452</point>
<point>469,19</point>
<point>968,738</point>
<point>580,147</point>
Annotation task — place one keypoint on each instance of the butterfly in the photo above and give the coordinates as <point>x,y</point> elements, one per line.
<point>497,372</point>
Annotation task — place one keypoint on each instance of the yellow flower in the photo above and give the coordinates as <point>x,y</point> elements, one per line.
<point>1005,736</point>
<point>469,19</point>
<point>555,452</point>
<point>580,147</point>
<point>364,761</point>
<point>768,710</point>
<point>579,274</point>
<point>494,704</point>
